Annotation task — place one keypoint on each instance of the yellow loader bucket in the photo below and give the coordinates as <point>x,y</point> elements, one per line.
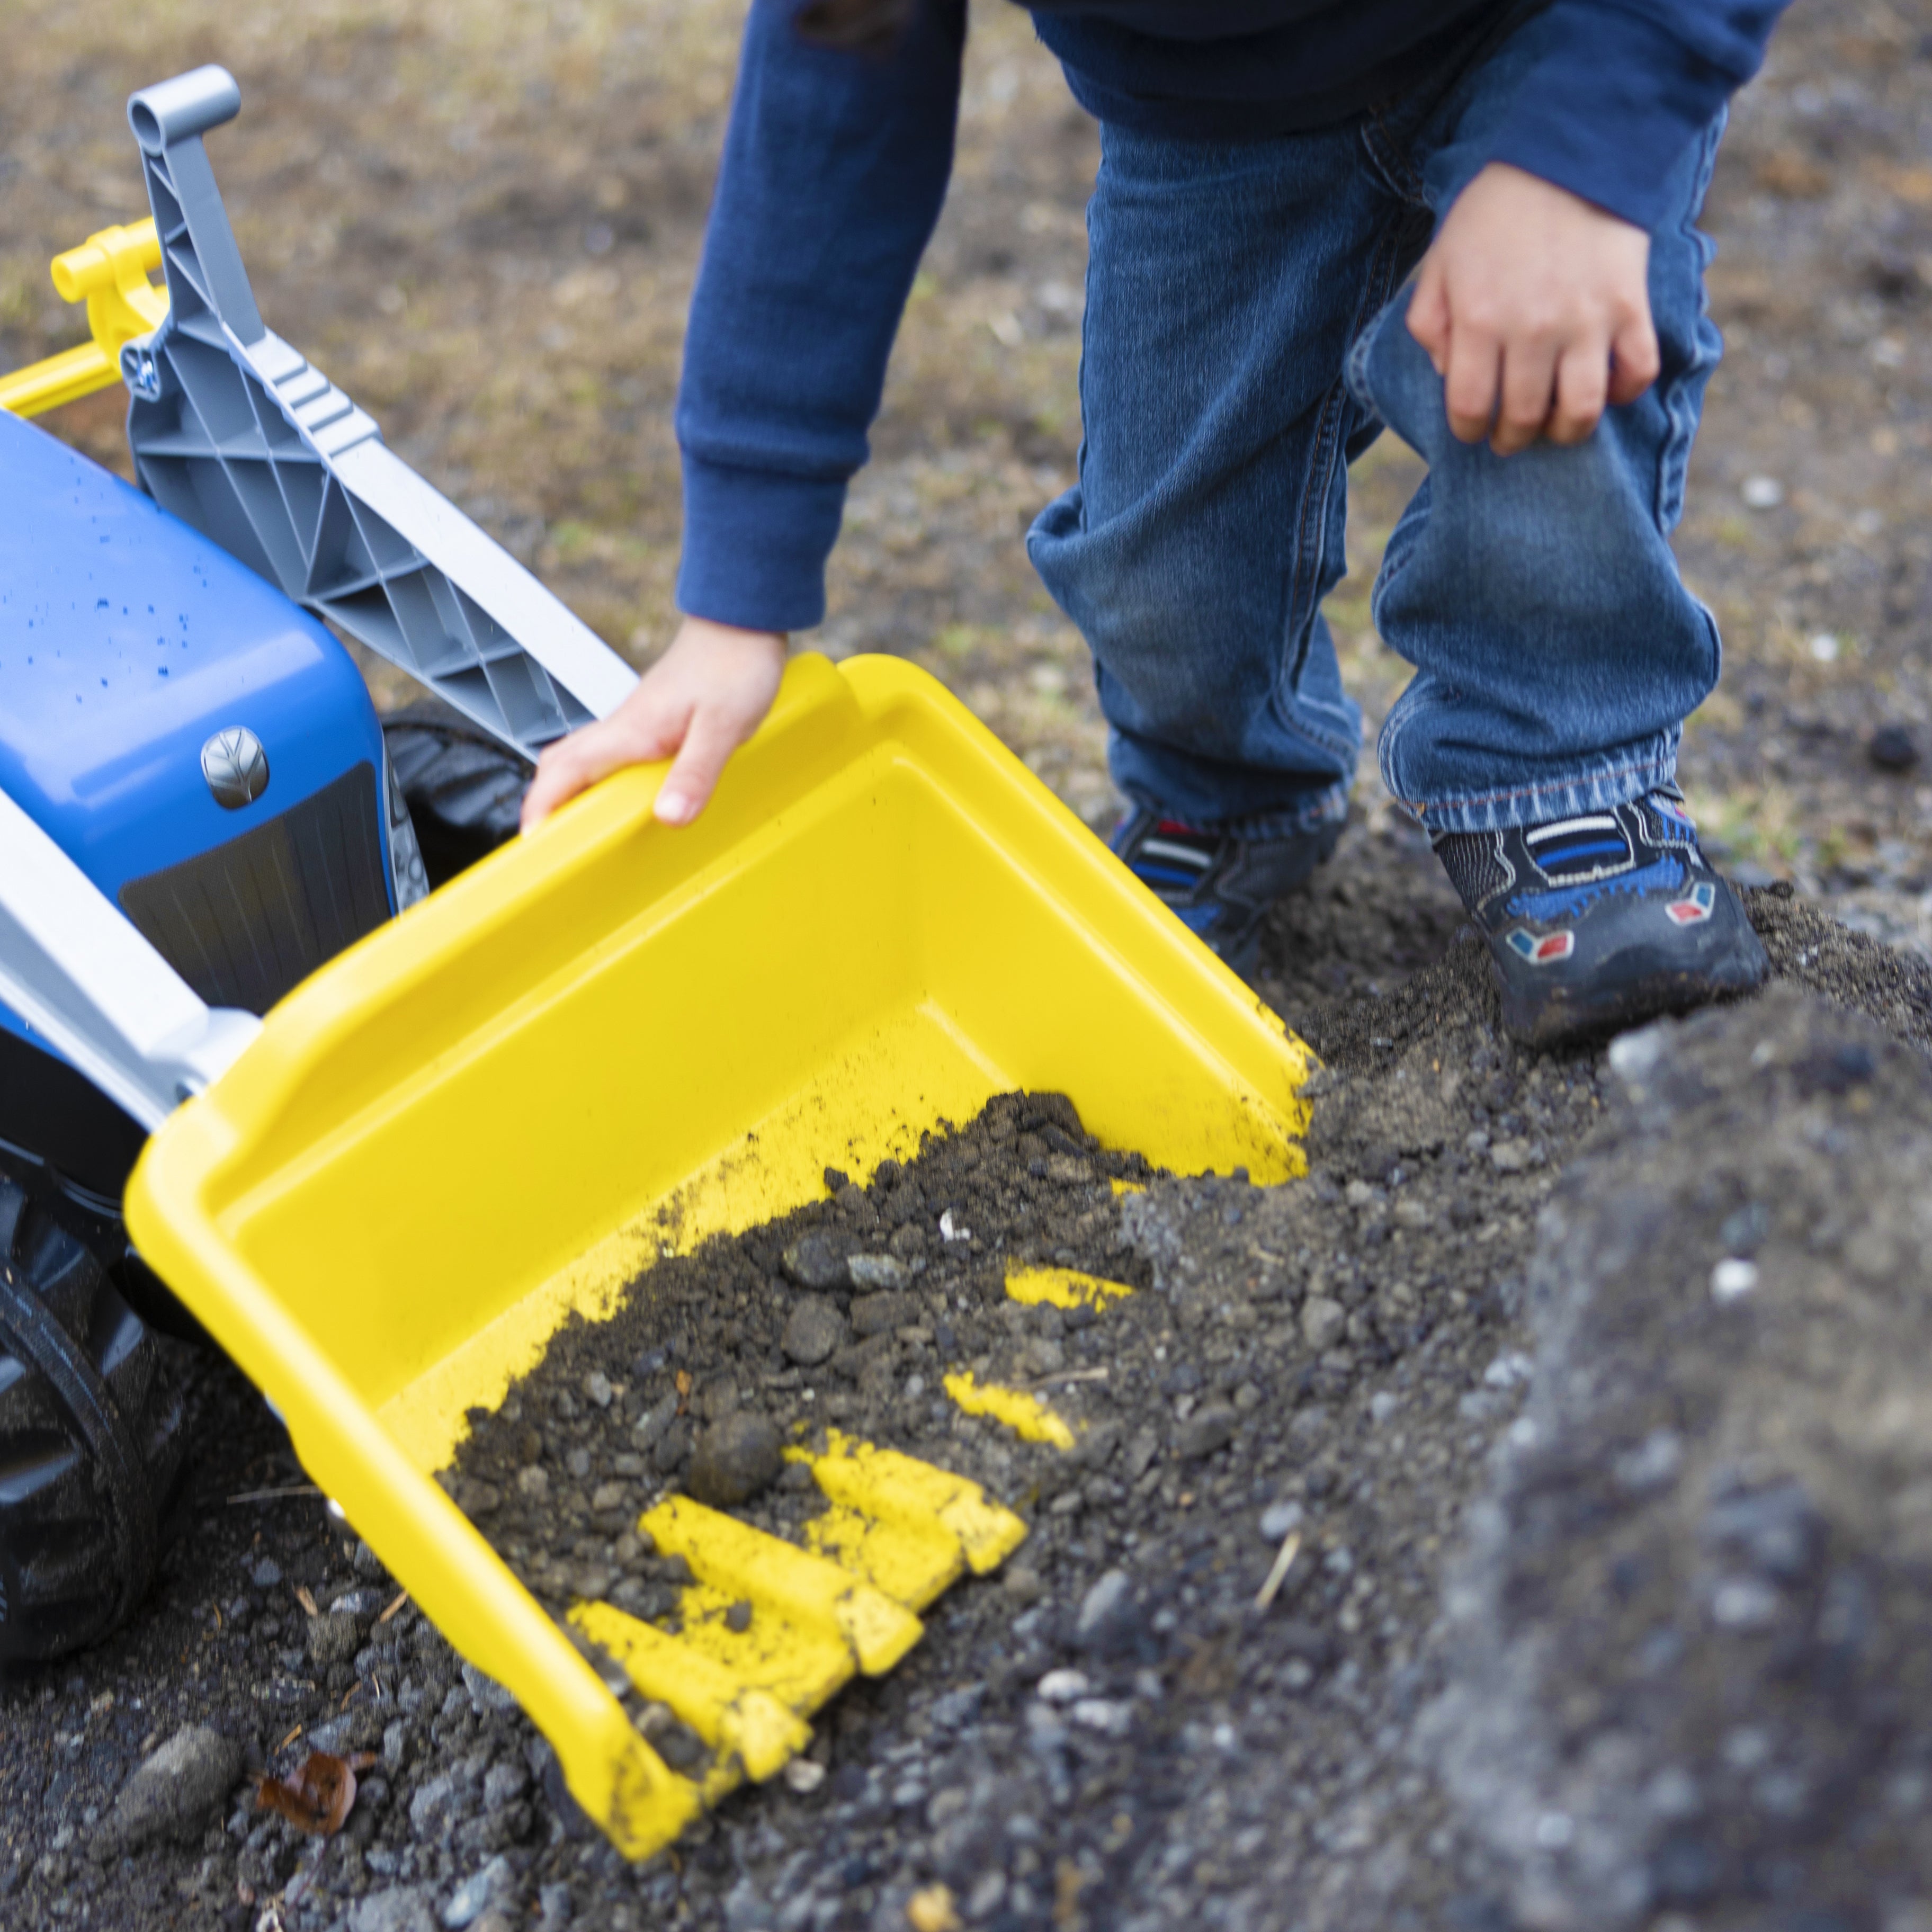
<point>610,1041</point>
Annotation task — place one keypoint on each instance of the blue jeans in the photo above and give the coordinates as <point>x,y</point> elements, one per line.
<point>1244,341</point>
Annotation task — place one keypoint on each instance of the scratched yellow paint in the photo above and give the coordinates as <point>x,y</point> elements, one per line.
<point>1063,1288</point>
<point>1027,1416</point>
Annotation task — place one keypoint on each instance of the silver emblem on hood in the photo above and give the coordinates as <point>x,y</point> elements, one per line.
<point>235,767</point>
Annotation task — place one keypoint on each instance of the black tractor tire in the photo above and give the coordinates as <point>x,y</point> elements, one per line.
<point>94,1418</point>
<point>464,790</point>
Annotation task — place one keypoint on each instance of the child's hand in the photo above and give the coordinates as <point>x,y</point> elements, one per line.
<point>699,701</point>
<point>1535,306</point>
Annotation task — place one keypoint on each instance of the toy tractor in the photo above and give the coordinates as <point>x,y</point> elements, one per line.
<point>195,787</point>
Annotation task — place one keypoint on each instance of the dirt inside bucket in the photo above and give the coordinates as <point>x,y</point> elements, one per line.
<point>852,1313</point>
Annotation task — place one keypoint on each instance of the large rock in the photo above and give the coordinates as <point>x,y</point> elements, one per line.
<point>736,1457</point>
<point>174,1792</point>
<point>1692,1667</point>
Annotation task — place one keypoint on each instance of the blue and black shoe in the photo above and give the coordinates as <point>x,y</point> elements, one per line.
<point>1597,922</point>
<point>1218,885</point>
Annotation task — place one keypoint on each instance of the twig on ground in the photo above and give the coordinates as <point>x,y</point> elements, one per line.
<point>1284,1562</point>
<point>1065,1376</point>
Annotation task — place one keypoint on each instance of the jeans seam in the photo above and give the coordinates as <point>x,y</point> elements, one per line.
<point>1673,459</point>
<point>1328,442</point>
<point>1391,160</point>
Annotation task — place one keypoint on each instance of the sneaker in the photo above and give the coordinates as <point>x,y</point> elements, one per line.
<point>1219,886</point>
<point>1599,922</point>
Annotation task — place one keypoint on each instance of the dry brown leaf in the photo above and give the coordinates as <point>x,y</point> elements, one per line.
<point>307,1601</point>
<point>316,1800</point>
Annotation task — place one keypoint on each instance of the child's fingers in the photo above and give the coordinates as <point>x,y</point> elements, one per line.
<point>1583,387</point>
<point>1469,386</point>
<point>1636,359</point>
<point>714,733</point>
<point>1428,317</point>
<point>564,769</point>
<point>1528,388</point>
<point>575,763</point>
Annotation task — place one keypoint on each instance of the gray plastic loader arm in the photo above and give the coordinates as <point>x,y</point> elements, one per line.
<point>83,977</point>
<point>237,435</point>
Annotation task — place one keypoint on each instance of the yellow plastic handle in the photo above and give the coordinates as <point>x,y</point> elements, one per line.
<point>108,272</point>
<point>111,258</point>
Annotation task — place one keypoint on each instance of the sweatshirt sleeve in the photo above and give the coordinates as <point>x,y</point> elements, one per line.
<point>835,167</point>
<point>1627,85</point>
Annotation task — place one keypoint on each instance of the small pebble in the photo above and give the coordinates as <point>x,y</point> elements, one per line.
<point>1892,748</point>
<point>1733,1278</point>
<point>1322,1322</point>
<point>1761,492</point>
<point>932,1910</point>
<point>877,1314</point>
<point>814,1330</point>
<point>738,1618</point>
<point>1279,1519</point>
<point>817,1260</point>
<point>1063,1686</point>
<point>1021,1583</point>
<point>1512,1156</point>
<point>1205,1431</point>
<point>1744,1603</point>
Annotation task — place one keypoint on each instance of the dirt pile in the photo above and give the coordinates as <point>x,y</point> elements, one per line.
<point>1693,1670</point>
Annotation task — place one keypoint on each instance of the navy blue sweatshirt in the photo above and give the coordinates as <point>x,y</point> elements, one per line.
<point>835,165</point>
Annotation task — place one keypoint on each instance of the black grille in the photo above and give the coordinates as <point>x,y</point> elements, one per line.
<point>245,922</point>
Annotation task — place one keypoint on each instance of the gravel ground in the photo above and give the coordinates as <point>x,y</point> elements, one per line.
<point>1111,1733</point>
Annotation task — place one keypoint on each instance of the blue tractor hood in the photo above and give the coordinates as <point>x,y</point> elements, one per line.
<point>128,640</point>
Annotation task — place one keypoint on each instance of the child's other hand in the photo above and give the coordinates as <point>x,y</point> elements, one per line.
<point>698,703</point>
<point>1535,306</point>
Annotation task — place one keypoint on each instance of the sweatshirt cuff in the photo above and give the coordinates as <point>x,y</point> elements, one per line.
<point>1609,112</point>
<point>755,543</point>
